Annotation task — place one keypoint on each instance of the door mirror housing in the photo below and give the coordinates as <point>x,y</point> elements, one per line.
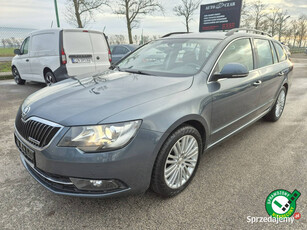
<point>17,51</point>
<point>231,70</point>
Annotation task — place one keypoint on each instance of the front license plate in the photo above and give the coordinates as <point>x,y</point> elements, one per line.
<point>26,151</point>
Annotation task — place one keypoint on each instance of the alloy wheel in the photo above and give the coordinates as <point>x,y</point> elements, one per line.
<point>280,103</point>
<point>181,161</point>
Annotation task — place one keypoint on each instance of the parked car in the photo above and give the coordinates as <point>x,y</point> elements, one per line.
<point>287,50</point>
<point>120,51</point>
<point>56,54</point>
<point>146,124</point>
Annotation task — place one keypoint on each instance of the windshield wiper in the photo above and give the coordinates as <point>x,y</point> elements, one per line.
<point>137,71</point>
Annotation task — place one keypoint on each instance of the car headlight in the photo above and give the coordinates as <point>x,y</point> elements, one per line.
<point>100,138</point>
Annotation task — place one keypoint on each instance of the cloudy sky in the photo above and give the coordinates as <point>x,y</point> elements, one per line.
<point>39,14</point>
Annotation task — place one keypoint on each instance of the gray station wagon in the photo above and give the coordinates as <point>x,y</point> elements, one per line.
<point>146,122</point>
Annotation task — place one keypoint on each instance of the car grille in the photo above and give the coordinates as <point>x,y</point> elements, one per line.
<point>35,132</point>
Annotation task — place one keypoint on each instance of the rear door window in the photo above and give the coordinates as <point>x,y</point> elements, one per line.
<point>77,42</point>
<point>280,52</point>
<point>239,51</point>
<point>264,52</point>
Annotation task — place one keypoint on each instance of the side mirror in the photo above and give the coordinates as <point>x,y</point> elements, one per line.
<point>231,70</point>
<point>17,51</point>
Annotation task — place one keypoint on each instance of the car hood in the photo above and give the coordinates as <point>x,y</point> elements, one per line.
<point>89,100</point>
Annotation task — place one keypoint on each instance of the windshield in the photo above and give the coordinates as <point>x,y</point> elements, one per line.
<point>170,57</point>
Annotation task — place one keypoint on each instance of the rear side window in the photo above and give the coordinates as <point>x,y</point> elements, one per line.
<point>274,53</point>
<point>239,51</point>
<point>280,52</point>
<point>264,52</point>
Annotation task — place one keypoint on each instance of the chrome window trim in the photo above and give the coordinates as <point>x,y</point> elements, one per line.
<point>255,69</point>
<point>53,124</point>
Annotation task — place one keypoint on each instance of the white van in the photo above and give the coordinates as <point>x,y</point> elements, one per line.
<point>56,54</point>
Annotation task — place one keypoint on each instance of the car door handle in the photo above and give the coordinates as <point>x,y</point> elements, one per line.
<point>257,83</point>
<point>281,73</point>
<point>27,60</point>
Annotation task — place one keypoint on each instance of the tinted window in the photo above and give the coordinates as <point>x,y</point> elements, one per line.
<point>239,51</point>
<point>274,53</point>
<point>264,52</point>
<point>280,52</point>
<point>120,50</point>
<point>25,46</point>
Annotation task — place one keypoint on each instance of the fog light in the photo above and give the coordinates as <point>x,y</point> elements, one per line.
<point>96,185</point>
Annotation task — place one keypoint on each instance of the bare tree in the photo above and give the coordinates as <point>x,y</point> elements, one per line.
<point>282,17</point>
<point>132,9</point>
<point>187,9</point>
<point>273,20</point>
<point>80,12</point>
<point>302,28</point>
<point>256,13</point>
<point>3,42</point>
<point>294,30</point>
<point>245,19</point>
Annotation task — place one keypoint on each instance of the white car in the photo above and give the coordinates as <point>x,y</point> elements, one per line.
<point>56,54</point>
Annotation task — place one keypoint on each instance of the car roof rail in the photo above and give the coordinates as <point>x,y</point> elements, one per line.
<point>231,32</point>
<point>173,33</point>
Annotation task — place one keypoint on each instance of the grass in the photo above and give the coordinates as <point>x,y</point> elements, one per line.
<point>5,66</point>
<point>7,52</point>
<point>5,77</point>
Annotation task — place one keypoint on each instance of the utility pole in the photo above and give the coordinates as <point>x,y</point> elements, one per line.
<point>56,12</point>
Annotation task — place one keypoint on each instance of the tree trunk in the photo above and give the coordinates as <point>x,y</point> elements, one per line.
<point>187,25</point>
<point>129,32</point>
<point>128,22</point>
<point>79,22</point>
<point>280,32</point>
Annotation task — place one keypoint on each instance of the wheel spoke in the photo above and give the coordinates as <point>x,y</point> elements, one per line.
<point>174,177</point>
<point>192,153</point>
<point>170,170</point>
<point>178,144</point>
<point>176,151</point>
<point>187,171</point>
<point>189,164</point>
<point>169,161</point>
<point>191,144</point>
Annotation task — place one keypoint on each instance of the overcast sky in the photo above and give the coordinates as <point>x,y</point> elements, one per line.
<point>39,14</point>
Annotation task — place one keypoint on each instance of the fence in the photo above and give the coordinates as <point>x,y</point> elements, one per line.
<point>11,38</point>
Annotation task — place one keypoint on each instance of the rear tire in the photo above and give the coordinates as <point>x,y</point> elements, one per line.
<point>49,78</point>
<point>17,77</point>
<point>177,162</point>
<point>278,107</point>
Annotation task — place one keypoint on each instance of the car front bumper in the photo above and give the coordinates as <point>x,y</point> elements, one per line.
<point>130,167</point>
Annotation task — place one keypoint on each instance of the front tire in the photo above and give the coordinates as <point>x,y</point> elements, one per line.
<point>278,107</point>
<point>17,77</point>
<point>49,78</point>
<point>177,162</point>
